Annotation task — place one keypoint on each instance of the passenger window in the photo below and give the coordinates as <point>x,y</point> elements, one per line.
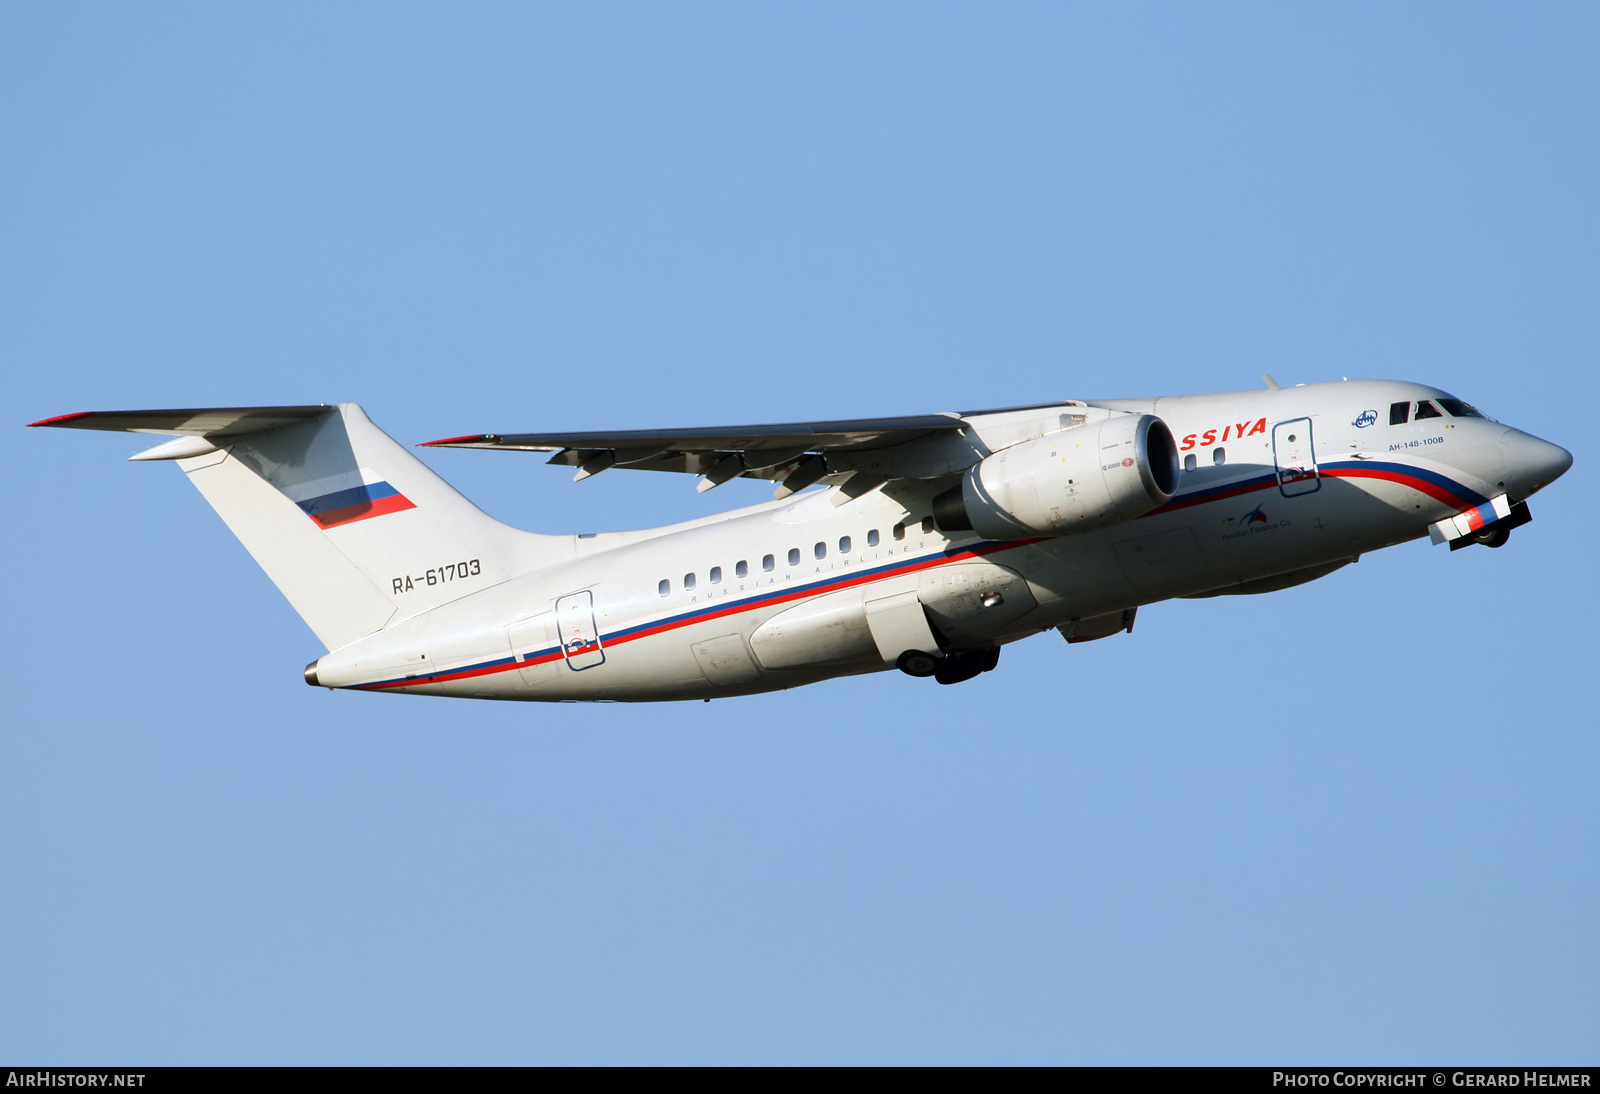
<point>794,556</point>
<point>844,545</point>
<point>1190,463</point>
<point>872,538</point>
<point>1458,409</point>
<point>741,568</point>
<point>927,525</point>
<point>665,588</point>
<point>1426,409</point>
<point>767,563</point>
<point>688,582</point>
<point>899,531</point>
<point>1219,456</point>
<point>716,575</point>
<point>820,550</point>
<point>1399,413</point>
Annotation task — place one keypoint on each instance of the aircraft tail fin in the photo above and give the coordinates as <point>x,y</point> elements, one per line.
<point>353,529</point>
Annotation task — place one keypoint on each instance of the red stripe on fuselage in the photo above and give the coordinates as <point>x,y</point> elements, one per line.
<point>1186,503</point>
<point>1433,490</point>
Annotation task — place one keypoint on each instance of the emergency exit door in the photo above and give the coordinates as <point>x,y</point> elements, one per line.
<point>1295,458</point>
<point>580,637</point>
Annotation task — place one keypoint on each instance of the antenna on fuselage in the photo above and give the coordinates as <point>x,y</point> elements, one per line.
<point>1271,383</point>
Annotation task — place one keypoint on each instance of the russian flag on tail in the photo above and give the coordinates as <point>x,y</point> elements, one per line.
<point>346,498</point>
<point>1470,520</point>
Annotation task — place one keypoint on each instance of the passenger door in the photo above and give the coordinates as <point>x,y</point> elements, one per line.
<point>580,637</point>
<point>1295,458</point>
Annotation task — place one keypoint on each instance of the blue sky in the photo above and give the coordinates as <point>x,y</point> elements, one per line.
<point>1351,822</point>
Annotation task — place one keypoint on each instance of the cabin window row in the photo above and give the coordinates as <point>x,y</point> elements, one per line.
<point>819,551</point>
<point>1219,456</point>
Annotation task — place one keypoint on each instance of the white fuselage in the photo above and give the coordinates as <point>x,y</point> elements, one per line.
<point>1280,486</point>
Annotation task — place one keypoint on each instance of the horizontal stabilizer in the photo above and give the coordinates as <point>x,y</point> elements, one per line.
<point>226,421</point>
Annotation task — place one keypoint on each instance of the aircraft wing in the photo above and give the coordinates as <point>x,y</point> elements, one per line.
<point>799,453</point>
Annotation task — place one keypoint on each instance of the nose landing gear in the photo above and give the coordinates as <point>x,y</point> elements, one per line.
<point>1496,533</point>
<point>1493,536</point>
<point>950,668</point>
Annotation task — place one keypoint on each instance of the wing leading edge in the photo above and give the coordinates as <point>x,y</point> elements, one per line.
<point>797,453</point>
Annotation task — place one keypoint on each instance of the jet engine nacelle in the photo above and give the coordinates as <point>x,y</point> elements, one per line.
<point>1075,480</point>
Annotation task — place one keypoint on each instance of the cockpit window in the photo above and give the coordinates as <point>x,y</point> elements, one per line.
<point>1399,413</point>
<point>1426,409</point>
<point>1458,409</point>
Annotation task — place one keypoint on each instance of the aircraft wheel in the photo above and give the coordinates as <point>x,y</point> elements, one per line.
<point>917,663</point>
<point>1493,537</point>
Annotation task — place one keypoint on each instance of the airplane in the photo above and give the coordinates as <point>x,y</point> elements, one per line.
<point>924,544</point>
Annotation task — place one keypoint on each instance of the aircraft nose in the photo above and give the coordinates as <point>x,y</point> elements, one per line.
<point>1531,463</point>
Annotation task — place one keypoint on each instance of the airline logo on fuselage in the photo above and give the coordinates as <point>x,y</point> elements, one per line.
<point>1235,430</point>
<point>1256,520</point>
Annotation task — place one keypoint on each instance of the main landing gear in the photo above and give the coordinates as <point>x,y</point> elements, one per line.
<point>949,668</point>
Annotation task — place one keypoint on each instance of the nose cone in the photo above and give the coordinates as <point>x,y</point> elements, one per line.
<point>1532,464</point>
